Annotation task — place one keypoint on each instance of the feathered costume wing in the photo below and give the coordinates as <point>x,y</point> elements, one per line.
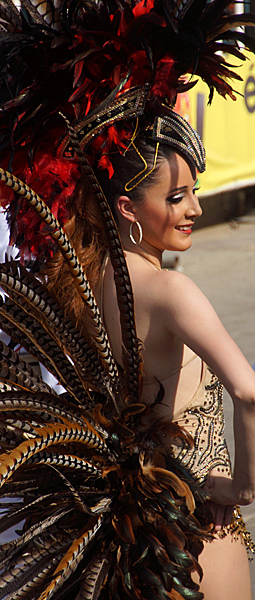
<point>100,510</point>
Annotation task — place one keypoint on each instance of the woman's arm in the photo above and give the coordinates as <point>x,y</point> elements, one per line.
<point>187,313</point>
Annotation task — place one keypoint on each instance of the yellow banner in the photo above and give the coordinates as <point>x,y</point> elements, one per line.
<point>227,129</point>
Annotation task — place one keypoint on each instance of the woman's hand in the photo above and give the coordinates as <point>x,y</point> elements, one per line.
<point>222,499</point>
<point>221,489</point>
<point>224,496</point>
<point>222,515</point>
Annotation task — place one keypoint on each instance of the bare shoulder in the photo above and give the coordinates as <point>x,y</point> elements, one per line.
<point>172,286</point>
<point>164,291</point>
<point>179,300</point>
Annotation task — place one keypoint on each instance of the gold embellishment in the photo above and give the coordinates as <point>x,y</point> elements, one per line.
<point>172,129</point>
<point>127,106</point>
<point>237,528</point>
<point>129,188</point>
<point>206,422</point>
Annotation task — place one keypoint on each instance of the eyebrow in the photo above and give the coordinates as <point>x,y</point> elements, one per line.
<point>181,189</point>
<point>178,189</point>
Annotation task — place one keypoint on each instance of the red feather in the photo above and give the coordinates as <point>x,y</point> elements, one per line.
<point>143,7</point>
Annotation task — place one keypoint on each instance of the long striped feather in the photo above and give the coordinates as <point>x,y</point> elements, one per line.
<point>16,512</point>
<point>93,577</point>
<point>29,334</point>
<point>30,294</point>
<point>33,294</point>
<point>30,569</point>
<point>54,434</point>
<point>17,371</point>
<point>49,407</point>
<point>71,559</point>
<point>100,336</point>
<point>131,356</point>
<point>60,333</point>
<point>17,582</point>
<point>8,550</point>
<point>22,587</point>
<point>68,461</point>
<point>46,12</point>
<point>40,402</point>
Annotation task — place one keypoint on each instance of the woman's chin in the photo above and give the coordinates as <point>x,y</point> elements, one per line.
<point>180,247</point>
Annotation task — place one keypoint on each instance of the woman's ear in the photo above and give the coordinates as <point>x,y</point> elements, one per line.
<point>126,207</point>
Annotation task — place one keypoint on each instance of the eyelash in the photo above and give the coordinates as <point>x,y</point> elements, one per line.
<point>178,198</point>
<point>175,199</point>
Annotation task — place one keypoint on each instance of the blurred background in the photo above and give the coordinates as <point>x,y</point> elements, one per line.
<point>227,129</point>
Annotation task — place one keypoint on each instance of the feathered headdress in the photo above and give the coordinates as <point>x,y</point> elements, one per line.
<point>100,65</point>
<point>103,510</point>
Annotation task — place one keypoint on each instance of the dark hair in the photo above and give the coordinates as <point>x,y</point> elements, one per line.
<point>127,165</point>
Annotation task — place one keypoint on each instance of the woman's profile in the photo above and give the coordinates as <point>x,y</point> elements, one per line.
<point>121,487</point>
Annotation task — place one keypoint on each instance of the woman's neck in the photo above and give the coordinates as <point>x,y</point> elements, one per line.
<point>149,253</point>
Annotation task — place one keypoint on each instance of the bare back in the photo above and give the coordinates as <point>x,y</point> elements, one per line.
<point>166,358</point>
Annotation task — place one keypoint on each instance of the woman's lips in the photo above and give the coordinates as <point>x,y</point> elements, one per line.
<point>184,228</point>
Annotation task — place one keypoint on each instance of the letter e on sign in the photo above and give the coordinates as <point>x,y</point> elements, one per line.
<point>249,94</point>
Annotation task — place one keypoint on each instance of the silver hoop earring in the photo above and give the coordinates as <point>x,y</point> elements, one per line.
<point>131,232</point>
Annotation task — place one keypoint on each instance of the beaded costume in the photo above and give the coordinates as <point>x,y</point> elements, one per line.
<point>203,418</point>
<point>99,513</point>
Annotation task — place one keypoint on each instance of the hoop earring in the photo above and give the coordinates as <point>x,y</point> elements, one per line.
<point>131,232</point>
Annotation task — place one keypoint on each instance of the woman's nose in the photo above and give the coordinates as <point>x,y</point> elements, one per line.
<point>194,208</point>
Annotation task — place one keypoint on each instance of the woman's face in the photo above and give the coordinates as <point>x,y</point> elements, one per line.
<point>170,207</point>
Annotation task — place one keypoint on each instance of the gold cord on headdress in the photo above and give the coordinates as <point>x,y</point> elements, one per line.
<point>129,188</point>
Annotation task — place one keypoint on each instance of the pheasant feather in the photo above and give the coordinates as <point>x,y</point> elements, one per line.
<point>54,434</point>
<point>71,559</point>
<point>18,372</point>
<point>26,333</point>
<point>29,294</point>
<point>101,340</point>
<point>131,356</point>
<point>93,577</point>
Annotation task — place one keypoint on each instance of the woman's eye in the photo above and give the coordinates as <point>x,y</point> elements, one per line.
<point>175,199</point>
<point>195,189</point>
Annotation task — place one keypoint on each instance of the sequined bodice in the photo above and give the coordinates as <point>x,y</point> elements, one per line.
<point>203,418</point>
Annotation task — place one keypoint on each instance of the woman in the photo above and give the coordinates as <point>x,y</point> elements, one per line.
<point>180,332</point>
<point>114,477</point>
